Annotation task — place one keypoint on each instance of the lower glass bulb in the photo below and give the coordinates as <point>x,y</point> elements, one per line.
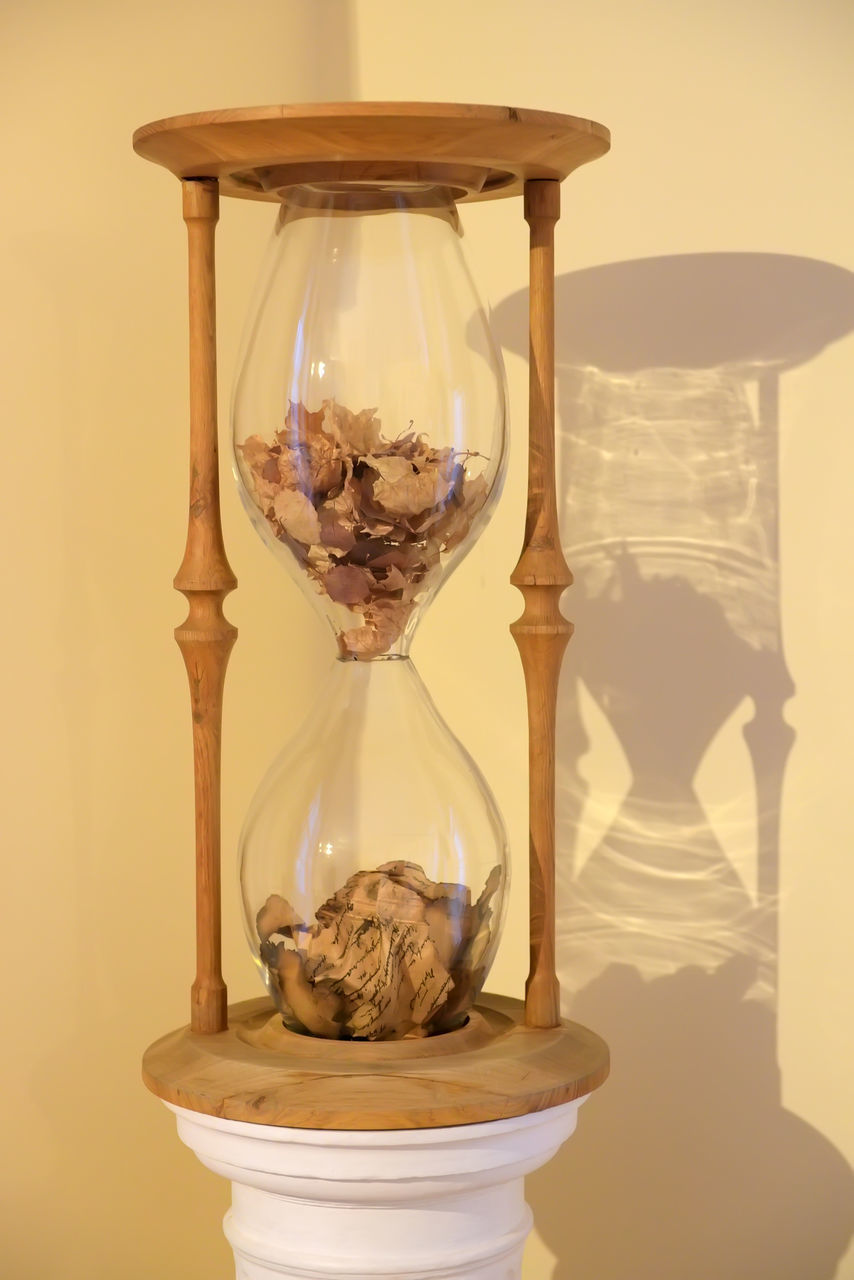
<point>373,864</point>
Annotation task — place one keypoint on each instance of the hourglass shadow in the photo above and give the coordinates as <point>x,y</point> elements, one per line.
<point>668,383</point>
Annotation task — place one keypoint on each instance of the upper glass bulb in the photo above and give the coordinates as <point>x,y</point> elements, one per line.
<point>369,407</point>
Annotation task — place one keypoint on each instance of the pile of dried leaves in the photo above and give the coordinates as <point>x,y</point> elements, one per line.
<point>392,954</point>
<point>367,517</point>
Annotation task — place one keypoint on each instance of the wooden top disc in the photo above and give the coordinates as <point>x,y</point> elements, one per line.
<point>478,152</point>
<point>493,1068</point>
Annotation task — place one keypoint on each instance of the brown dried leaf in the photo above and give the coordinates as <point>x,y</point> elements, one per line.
<point>371,551</point>
<point>335,531</point>
<point>413,494</point>
<point>376,895</point>
<point>318,1008</point>
<point>292,470</point>
<point>493,880</point>
<point>318,562</point>
<point>393,580</point>
<point>297,516</point>
<point>255,452</point>
<point>326,470</point>
<point>380,528</point>
<point>345,503</point>
<point>457,519</point>
<point>475,493</point>
<point>384,623</point>
<point>347,584</point>
<point>414,877</point>
<point>391,467</point>
<point>277,916</point>
<point>365,641</point>
<point>356,433</point>
<point>443,928</point>
<point>401,556</point>
<point>302,426</point>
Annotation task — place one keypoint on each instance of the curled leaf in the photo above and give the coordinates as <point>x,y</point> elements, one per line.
<point>414,493</point>
<point>277,916</point>
<point>357,433</point>
<point>316,1006</point>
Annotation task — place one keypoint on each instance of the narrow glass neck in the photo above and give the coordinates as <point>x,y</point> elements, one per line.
<point>380,700</point>
<point>399,649</point>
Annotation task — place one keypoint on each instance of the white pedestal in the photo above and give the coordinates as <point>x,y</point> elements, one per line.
<point>404,1204</point>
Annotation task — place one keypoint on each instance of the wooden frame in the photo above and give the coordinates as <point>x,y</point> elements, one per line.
<point>480,153</point>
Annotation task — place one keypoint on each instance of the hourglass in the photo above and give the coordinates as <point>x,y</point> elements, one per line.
<point>369,448</point>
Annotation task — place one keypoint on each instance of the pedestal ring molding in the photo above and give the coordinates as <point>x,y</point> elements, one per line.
<point>408,1204</point>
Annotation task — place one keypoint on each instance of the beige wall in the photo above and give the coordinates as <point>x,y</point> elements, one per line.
<point>97,939</point>
<point>723,1143</point>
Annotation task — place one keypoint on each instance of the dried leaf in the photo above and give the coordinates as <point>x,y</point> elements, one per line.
<point>297,516</point>
<point>316,1006</point>
<point>292,471</point>
<point>391,467</point>
<point>413,493</point>
<point>319,561</point>
<point>301,425</point>
<point>410,873</point>
<point>367,641</point>
<point>393,580</point>
<point>347,584</point>
<point>379,528</point>
<point>335,531</point>
<point>255,451</point>
<point>277,916</point>
<point>357,433</point>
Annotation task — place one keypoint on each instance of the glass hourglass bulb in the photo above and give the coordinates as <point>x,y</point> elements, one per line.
<point>369,430</point>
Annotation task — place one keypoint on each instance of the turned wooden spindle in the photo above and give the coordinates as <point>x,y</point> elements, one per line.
<point>542,632</point>
<point>205,578</point>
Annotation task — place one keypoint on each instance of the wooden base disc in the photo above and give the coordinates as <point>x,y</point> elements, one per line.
<point>493,1068</point>
<point>480,152</point>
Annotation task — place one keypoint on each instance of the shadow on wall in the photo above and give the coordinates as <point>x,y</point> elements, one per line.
<point>668,379</point>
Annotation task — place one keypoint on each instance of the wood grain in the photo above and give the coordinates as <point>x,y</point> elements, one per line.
<point>494,1068</point>
<point>502,146</point>
<point>542,632</point>
<point>205,578</point>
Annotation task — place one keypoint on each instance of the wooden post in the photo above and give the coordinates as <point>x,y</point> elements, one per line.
<point>205,578</point>
<point>542,631</point>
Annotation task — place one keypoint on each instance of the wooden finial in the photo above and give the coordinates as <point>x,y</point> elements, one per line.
<point>542,632</point>
<point>205,578</point>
